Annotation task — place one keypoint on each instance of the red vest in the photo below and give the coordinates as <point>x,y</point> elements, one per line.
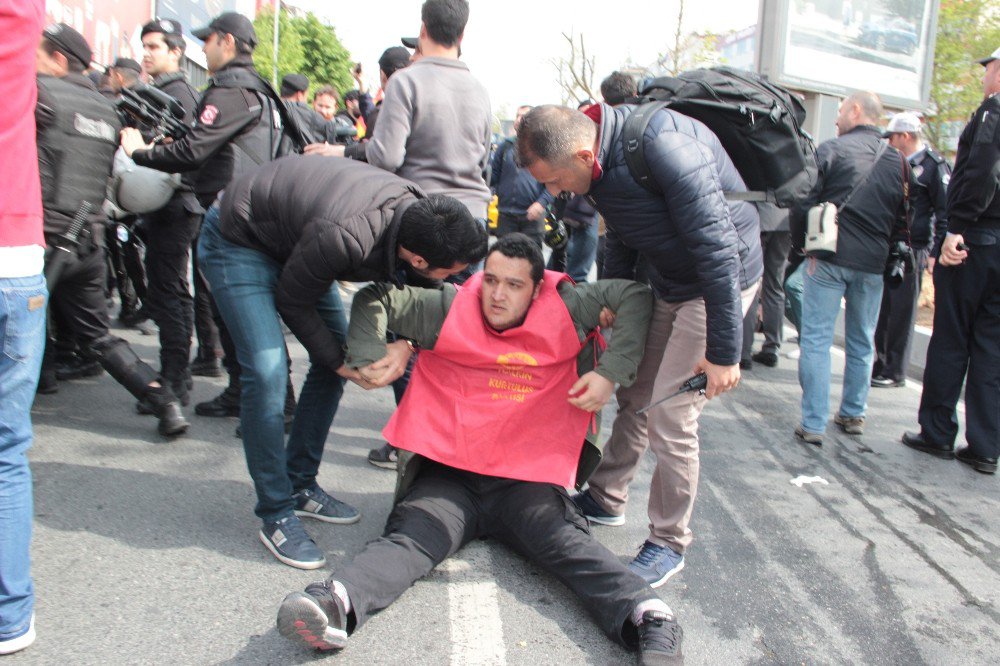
<point>495,402</point>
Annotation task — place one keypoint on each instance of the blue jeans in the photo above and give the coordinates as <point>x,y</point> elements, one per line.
<point>22,339</point>
<point>243,282</point>
<point>581,252</point>
<point>825,285</point>
<point>793,296</point>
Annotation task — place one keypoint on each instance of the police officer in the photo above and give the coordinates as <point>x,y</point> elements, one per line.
<point>240,123</point>
<point>171,230</point>
<point>294,89</point>
<point>966,335</point>
<point>77,138</point>
<point>928,208</point>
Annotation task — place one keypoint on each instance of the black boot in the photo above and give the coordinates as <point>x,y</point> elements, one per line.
<point>168,409</point>
<point>226,403</point>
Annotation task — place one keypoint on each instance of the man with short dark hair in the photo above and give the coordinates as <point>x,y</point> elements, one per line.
<point>124,73</point>
<point>703,259</point>
<point>295,91</point>
<point>239,126</point>
<point>618,88</point>
<point>492,428</point>
<point>857,161</point>
<point>283,237</point>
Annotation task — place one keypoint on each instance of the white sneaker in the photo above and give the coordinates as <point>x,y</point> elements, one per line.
<point>13,645</point>
<point>792,354</point>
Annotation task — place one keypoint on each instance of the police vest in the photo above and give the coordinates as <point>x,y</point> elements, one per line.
<point>275,135</point>
<point>76,151</point>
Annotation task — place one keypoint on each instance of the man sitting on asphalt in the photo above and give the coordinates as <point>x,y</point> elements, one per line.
<point>491,431</point>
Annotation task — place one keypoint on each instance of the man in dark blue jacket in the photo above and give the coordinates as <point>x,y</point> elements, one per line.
<point>704,261</point>
<point>521,200</point>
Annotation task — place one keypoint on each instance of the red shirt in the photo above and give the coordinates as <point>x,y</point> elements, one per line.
<point>21,23</point>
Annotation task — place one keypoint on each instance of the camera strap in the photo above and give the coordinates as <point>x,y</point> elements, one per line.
<point>883,144</point>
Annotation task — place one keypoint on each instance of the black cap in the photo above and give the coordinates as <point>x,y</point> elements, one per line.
<point>127,63</point>
<point>69,42</point>
<point>990,58</point>
<point>237,25</point>
<point>393,58</point>
<point>293,83</point>
<point>409,42</point>
<point>166,26</point>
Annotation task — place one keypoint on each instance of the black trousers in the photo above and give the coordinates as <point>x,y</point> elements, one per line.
<point>966,338</point>
<point>170,232</point>
<point>126,261</point>
<point>508,224</point>
<point>775,245</point>
<point>445,508</point>
<point>894,331</point>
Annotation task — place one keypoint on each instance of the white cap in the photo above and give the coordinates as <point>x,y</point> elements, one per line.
<point>906,121</point>
<point>990,58</point>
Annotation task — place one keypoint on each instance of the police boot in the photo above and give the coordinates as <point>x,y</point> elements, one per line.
<point>168,409</point>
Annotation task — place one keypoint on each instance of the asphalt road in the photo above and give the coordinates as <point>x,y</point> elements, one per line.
<point>145,551</point>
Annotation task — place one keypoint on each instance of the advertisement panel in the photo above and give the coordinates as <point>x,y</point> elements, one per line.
<point>111,27</point>
<point>836,46</point>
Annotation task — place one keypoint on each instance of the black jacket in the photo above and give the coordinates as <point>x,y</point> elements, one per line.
<point>875,215</point>
<point>177,86</point>
<point>324,220</point>
<point>929,200</point>
<point>974,193</point>
<point>222,115</point>
<point>696,244</point>
<point>312,125</point>
<point>515,187</point>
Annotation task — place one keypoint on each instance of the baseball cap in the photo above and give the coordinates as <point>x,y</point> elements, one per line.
<point>127,63</point>
<point>166,26</point>
<point>393,58</point>
<point>903,122</point>
<point>409,42</point>
<point>237,25</point>
<point>293,83</point>
<point>69,42</point>
<point>990,58</point>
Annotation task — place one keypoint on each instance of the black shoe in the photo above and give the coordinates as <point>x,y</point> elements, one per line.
<point>226,403</point>
<point>288,541</point>
<point>78,368</point>
<point>770,359</point>
<point>207,367</point>
<point>887,382</point>
<point>746,364</point>
<point>978,463</point>
<point>916,440</point>
<point>660,640</point>
<point>315,618</point>
<point>168,409</point>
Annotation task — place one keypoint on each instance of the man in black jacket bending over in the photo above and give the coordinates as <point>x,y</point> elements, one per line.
<point>284,235</point>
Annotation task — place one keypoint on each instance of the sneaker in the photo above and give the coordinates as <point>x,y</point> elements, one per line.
<point>768,358</point>
<point>656,564</point>
<point>852,425</point>
<point>660,640</point>
<point>18,643</point>
<point>386,456</point>
<point>809,437</point>
<point>316,618</point>
<point>594,512</point>
<point>316,503</point>
<point>288,541</point>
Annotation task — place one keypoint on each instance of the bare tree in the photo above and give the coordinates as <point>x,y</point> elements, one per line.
<point>575,74</point>
<point>689,50</point>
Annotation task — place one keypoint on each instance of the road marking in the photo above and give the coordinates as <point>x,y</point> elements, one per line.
<point>474,608</point>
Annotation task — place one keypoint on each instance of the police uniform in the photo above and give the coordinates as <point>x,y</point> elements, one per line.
<point>170,233</point>
<point>898,314</point>
<point>77,138</point>
<point>239,124</point>
<point>966,335</point>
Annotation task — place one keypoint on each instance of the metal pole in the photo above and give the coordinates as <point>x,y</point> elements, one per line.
<point>277,13</point>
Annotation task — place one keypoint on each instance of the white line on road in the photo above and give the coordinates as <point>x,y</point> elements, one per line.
<point>474,608</point>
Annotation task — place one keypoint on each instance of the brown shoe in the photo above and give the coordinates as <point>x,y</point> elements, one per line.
<point>852,425</point>
<point>809,437</point>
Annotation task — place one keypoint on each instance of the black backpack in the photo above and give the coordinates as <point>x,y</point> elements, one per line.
<point>758,123</point>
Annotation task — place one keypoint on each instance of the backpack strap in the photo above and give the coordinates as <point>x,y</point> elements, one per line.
<point>635,152</point>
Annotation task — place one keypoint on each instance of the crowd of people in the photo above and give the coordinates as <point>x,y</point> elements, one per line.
<point>496,358</point>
